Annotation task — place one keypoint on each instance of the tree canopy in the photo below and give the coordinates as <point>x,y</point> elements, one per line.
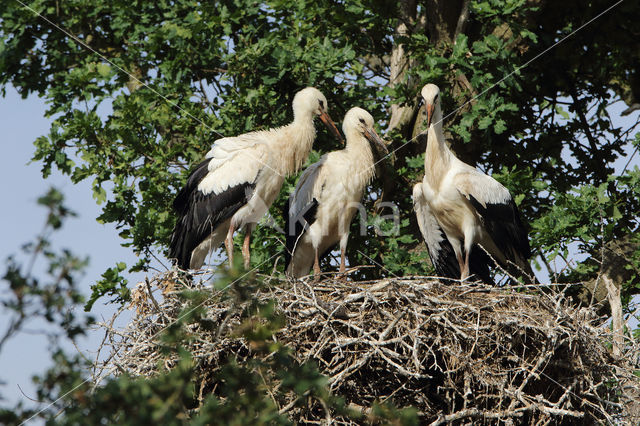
<point>139,92</point>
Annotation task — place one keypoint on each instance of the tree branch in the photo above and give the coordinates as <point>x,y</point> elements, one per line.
<point>462,19</point>
<point>583,120</point>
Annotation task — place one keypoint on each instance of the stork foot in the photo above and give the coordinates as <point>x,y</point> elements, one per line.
<point>342,277</point>
<point>342,261</point>
<point>343,274</point>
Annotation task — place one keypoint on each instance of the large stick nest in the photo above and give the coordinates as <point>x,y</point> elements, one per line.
<point>459,354</point>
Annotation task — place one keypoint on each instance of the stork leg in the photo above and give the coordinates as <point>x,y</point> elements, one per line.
<point>246,255</point>
<point>457,249</point>
<point>228,243</point>
<point>316,265</point>
<point>461,265</point>
<point>464,274</point>
<point>343,250</point>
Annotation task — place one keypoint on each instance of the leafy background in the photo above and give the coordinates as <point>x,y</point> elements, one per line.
<point>227,67</point>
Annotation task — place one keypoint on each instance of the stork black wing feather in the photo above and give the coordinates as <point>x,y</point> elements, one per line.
<point>502,221</point>
<point>200,214</point>
<point>181,202</point>
<point>446,264</point>
<point>300,225</point>
<point>444,259</point>
<point>479,263</point>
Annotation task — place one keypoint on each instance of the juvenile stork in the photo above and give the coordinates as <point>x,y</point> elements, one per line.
<point>327,196</point>
<point>473,210</point>
<point>440,250</point>
<point>238,181</point>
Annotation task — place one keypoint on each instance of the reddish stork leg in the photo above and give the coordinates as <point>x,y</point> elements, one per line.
<point>465,270</point>
<point>316,266</point>
<point>463,267</point>
<point>228,243</point>
<point>342,265</point>
<point>246,255</point>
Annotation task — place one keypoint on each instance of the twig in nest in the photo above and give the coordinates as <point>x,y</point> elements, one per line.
<point>454,352</point>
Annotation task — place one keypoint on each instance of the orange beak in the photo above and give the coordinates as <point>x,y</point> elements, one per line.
<point>430,109</point>
<point>324,117</point>
<point>373,137</point>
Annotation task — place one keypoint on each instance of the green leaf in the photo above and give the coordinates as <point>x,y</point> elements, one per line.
<point>103,69</point>
<point>484,122</point>
<point>499,126</point>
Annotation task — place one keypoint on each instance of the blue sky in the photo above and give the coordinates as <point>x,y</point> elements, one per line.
<point>22,121</point>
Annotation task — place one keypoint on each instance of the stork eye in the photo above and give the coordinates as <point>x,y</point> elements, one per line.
<point>362,120</point>
<point>321,103</point>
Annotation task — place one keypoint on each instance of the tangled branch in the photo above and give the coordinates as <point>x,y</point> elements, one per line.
<point>457,353</point>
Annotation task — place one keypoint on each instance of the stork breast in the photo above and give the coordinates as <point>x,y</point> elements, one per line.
<point>452,215</point>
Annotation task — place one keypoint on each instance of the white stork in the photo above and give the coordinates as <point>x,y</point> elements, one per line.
<point>440,250</point>
<point>327,196</point>
<point>239,180</point>
<point>469,207</point>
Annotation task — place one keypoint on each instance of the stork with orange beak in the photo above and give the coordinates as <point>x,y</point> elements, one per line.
<point>327,195</point>
<point>238,181</point>
<point>474,211</point>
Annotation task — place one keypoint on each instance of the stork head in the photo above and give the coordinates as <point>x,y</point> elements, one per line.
<point>361,121</point>
<point>431,95</point>
<point>310,101</point>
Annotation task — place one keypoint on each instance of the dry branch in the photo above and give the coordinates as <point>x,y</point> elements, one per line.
<point>457,353</point>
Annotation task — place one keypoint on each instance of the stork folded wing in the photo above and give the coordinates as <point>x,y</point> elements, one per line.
<point>441,252</point>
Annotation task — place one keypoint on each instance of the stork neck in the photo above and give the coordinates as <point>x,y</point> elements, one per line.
<point>436,121</point>
<point>437,156</point>
<point>359,149</point>
<point>294,144</point>
<point>303,116</point>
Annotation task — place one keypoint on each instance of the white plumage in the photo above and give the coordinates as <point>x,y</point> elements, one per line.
<point>468,207</point>
<point>328,195</point>
<point>239,180</point>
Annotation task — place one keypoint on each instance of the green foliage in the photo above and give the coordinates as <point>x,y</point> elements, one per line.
<point>244,392</point>
<point>39,289</point>
<point>165,398</point>
<point>160,81</point>
<point>112,284</point>
<point>29,295</point>
<point>587,218</point>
